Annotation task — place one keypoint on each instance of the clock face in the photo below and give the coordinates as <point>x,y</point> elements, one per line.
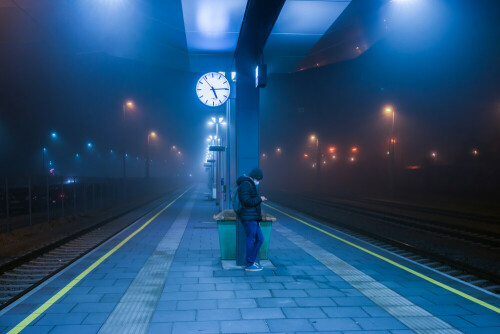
<point>213,89</point>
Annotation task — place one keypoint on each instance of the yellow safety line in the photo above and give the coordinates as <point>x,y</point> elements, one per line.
<point>19,327</point>
<point>416,273</point>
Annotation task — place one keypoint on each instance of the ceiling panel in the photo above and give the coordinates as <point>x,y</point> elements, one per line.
<point>212,28</point>
<point>299,27</point>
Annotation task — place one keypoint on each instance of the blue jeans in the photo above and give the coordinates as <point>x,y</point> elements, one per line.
<point>254,240</point>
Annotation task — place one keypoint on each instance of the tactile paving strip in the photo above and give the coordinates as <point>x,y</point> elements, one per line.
<point>414,317</point>
<point>136,307</point>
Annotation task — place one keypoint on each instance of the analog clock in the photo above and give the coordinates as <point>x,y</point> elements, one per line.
<point>213,89</point>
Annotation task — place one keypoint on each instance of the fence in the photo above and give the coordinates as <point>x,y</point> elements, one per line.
<point>27,201</point>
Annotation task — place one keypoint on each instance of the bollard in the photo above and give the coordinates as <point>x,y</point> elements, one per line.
<point>240,243</point>
<point>29,200</point>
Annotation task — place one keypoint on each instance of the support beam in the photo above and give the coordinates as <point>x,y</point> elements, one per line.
<point>259,19</point>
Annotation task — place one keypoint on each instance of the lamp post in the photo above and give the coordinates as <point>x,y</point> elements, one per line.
<point>127,105</point>
<point>44,152</point>
<point>314,139</point>
<point>152,134</point>
<point>390,112</point>
<point>218,143</point>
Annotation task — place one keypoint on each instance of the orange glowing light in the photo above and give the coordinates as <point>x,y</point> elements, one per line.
<point>306,155</point>
<point>313,137</point>
<point>352,159</point>
<point>354,149</point>
<point>278,150</point>
<point>413,167</point>
<point>332,149</point>
<point>129,104</point>
<point>475,152</point>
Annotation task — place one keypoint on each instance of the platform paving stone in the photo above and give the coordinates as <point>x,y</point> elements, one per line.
<point>301,295</point>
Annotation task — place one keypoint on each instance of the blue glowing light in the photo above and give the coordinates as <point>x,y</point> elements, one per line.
<point>45,149</point>
<point>53,135</point>
<point>89,145</point>
<point>111,151</point>
<point>77,155</point>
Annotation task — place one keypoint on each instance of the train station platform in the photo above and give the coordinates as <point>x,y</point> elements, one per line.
<point>163,274</point>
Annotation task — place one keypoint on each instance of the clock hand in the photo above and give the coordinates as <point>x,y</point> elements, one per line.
<point>213,90</point>
<point>221,88</point>
<point>207,83</point>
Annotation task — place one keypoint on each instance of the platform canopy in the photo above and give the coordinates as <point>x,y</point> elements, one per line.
<point>188,35</point>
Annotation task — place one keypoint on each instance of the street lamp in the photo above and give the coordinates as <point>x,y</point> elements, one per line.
<point>313,138</point>
<point>127,105</point>
<point>152,134</point>
<point>389,111</point>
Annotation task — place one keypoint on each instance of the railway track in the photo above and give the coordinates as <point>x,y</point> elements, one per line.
<point>475,236</point>
<point>457,269</point>
<point>22,275</point>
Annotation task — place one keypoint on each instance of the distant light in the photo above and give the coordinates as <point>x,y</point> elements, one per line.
<point>174,148</point>
<point>313,137</point>
<point>77,155</point>
<point>354,149</point>
<point>278,149</point>
<point>413,167</point>
<point>130,104</point>
<point>388,153</point>
<point>126,155</point>
<point>190,175</point>
<point>306,155</point>
<point>324,162</point>
<point>334,157</point>
<point>51,171</point>
<point>89,145</point>
<point>352,159</point>
<point>153,134</point>
<point>45,149</point>
<point>332,149</point>
<point>179,153</point>
<point>111,151</point>
<point>314,165</point>
<point>50,163</point>
<point>475,152</point>
<point>264,155</point>
<point>434,155</point>
<point>233,76</point>
<point>388,110</point>
<point>393,140</point>
<point>53,135</point>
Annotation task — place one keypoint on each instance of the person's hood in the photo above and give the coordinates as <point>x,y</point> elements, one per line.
<point>242,179</point>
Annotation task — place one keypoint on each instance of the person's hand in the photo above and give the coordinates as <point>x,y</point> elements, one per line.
<point>263,198</point>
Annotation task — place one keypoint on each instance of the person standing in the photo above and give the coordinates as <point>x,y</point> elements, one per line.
<point>251,215</point>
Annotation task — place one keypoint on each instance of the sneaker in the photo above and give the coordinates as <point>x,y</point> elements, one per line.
<point>258,265</point>
<point>253,267</point>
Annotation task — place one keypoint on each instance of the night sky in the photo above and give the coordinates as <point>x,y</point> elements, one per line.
<point>440,72</point>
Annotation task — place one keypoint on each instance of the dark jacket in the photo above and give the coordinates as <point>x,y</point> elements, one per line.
<point>250,199</point>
